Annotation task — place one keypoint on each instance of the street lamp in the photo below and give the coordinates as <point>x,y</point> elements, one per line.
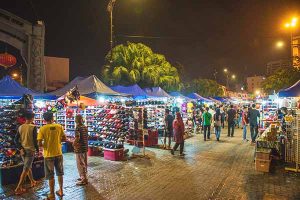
<point>227,78</point>
<point>291,26</point>
<point>233,76</point>
<point>110,8</point>
<point>279,44</point>
<point>15,75</point>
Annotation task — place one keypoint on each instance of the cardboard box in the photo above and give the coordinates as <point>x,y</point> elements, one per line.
<point>262,165</point>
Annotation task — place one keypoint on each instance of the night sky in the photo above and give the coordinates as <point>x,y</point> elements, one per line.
<point>200,35</point>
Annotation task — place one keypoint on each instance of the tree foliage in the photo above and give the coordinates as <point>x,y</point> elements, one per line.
<point>204,87</point>
<point>282,78</point>
<point>135,63</point>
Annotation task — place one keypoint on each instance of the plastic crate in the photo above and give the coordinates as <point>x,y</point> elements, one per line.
<point>114,154</point>
<point>93,151</point>
<point>262,165</point>
<point>64,147</point>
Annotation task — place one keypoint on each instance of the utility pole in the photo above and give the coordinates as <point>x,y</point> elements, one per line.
<point>110,8</point>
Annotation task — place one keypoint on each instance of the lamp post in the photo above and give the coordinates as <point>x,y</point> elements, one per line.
<point>227,77</point>
<point>291,25</point>
<point>110,8</point>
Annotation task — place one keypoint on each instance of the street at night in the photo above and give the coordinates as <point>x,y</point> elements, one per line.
<point>209,170</point>
<point>150,99</point>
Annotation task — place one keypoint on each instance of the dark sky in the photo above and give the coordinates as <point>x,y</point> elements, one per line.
<point>201,35</point>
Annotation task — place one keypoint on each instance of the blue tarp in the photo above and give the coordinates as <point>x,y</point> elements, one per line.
<point>133,90</point>
<point>156,92</point>
<point>220,99</point>
<point>293,91</point>
<point>176,94</point>
<point>10,89</point>
<point>197,97</point>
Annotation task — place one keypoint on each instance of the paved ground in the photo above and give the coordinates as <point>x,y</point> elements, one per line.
<point>210,170</point>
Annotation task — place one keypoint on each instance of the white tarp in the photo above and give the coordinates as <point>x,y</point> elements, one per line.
<point>86,86</point>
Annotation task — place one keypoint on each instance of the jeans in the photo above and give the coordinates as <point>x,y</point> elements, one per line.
<point>245,132</point>
<point>206,130</point>
<point>231,126</point>
<point>181,147</point>
<point>218,131</point>
<point>254,131</point>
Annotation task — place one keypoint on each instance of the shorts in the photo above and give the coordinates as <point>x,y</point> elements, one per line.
<point>168,133</point>
<point>54,163</point>
<point>28,159</point>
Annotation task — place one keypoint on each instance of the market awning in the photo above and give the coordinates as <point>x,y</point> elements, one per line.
<point>87,86</point>
<point>11,89</point>
<point>133,90</point>
<point>156,92</point>
<point>293,91</point>
<point>197,97</point>
<point>86,101</point>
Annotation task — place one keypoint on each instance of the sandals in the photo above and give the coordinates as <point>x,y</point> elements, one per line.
<point>20,191</point>
<point>58,194</point>
<point>50,197</point>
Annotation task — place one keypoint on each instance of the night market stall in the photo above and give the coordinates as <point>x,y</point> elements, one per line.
<point>15,100</point>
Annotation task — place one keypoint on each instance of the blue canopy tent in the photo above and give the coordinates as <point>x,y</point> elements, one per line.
<point>157,92</point>
<point>177,94</point>
<point>197,97</point>
<point>221,99</point>
<point>134,90</point>
<point>11,89</point>
<point>293,91</point>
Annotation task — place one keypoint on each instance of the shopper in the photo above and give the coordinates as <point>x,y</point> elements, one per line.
<point>245,122</point>
<point>231,116</point>
<point>50,137</point>
<point>218,123</point>
<point>207,120</point>
<point>26,142</point>
<point>222,115</point>
<point>80,149</point>
<point>168,128</point>
<point>253,120</point>
<point>178,128</point>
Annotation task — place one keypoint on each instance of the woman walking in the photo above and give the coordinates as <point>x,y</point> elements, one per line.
<point>218,123</point>
<point>178,130</point>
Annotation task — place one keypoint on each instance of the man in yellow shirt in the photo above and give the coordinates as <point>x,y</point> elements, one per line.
<point>50,137</point>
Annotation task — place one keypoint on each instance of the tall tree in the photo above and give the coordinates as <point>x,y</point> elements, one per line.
<point>204,87</point>
<point>280,79</point>
<point>135,63</point>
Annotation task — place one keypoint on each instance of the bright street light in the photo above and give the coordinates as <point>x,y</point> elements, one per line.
<point>225,70</point>
<point>279,44</point>
<point>15,75</point>
<point>233,76</point>
<point>257,92</point>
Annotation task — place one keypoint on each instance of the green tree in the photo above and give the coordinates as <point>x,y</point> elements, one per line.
<point>204,87</point>
<point>282,78</point>
<point>135,63</point>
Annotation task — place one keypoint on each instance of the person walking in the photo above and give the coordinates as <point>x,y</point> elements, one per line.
<point>253,116</point>
<point>218,124</point>
<point>231,116</point>
<point>178,128</point>
<point>80,149</point>
<point>26,142</point>
<point>207,120</point>
<point>222,115</point>
<point>168,129</point>
<point>245,122</point>
<point>50,137</point>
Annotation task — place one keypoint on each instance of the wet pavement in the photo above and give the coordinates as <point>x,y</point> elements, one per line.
<point>210,170</point>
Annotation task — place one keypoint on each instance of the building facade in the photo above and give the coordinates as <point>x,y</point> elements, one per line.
<point>53,65</point>
<point>26,42</point>
<point>254,84</point>
<point>274,65</point>
<point>296,51</point>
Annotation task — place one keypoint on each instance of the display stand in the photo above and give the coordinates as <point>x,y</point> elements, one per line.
<point>294,148</point>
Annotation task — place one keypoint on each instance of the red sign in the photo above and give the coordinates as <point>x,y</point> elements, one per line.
<point>7,60</point>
